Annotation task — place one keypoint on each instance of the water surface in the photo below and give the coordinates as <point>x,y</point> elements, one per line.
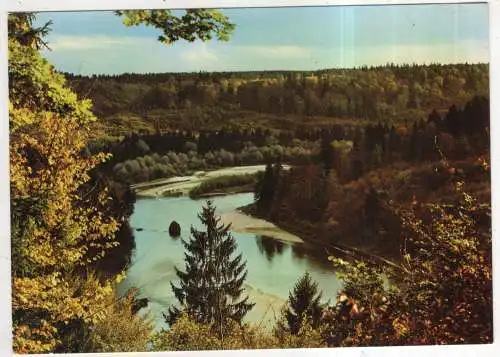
<point>274,266</point>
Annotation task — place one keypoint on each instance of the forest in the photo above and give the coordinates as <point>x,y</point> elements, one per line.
<point>389,165</point>
<point>391,94</point>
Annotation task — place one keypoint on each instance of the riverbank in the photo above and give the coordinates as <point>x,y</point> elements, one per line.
<point>274,259</point>
<point>245,219</point>
<point>241,222</point>
<point>310,237</point>
<point>232,190</point>
<point>225,185</point>
<point>267,309</point>
<point>182,185</point>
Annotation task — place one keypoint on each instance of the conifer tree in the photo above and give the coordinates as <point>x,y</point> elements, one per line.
<point>211,286</point>
<point>264,190</point>
<point>304,304</point>
<point>326,154</point>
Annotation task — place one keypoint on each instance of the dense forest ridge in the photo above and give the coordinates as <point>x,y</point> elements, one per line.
<point>279,100</point>
<point>250,73</point>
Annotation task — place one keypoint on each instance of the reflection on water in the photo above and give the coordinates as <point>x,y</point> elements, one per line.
<point>273,266</point>
<point>269,247</point>
<point>317,256</point>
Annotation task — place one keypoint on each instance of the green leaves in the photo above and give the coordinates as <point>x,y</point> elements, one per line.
<point>21,29</point>
<point>192,25</point>
<point>53,226</point>
<point>35,87</point>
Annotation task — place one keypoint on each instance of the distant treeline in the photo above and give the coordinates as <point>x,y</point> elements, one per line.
<point>456,136</point>
<point>349,150</point>
<point>153,165</point>
<point>135,145</point>
<point>390,94</point>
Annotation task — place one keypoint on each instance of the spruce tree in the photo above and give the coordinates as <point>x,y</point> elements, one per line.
<point>211,287</point>
<point>304,304</point>
<point>264,190</point>
<point>326,154</point>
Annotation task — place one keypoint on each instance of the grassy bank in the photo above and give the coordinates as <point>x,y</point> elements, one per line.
<point>224,185</point>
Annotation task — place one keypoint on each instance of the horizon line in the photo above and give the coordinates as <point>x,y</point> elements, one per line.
<point>359,67</point>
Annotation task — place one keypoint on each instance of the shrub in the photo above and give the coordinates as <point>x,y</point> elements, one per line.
<point>188,335</point>
<point>120,329</point>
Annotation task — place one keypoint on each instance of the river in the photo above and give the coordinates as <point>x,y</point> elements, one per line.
<point>273,265</point>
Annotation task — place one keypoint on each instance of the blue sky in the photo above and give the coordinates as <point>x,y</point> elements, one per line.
<point>301,38</point>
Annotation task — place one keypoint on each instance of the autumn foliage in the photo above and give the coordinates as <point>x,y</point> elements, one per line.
<point>440,294</point>
<point>385,189</point>
<point>63,220</point>
<point>53,225</point>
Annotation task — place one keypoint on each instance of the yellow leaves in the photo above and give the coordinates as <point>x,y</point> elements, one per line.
<point>19,118</point>
<point>484,163</point>
<point>25,343</point>
<point>120,277</point>
<point>47,172</point>
<point>115,328</point>
<point>39,88</point>
<point>338,261</point>
<point>107,290</point>
<point>400,326</point>
<point>63,225</point>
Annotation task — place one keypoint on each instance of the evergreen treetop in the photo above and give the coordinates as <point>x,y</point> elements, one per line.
<point>304,304</point>
<point>211,286</point>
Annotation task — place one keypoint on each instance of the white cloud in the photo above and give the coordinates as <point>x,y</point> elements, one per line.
<point>108,54</point>
<point>82,43</point>
<point>198,53</point>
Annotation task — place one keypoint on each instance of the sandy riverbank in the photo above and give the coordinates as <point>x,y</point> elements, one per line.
<point>267,307</point>
<point>241,222</point>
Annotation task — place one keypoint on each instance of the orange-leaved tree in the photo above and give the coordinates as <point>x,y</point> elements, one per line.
<point>442,292</point>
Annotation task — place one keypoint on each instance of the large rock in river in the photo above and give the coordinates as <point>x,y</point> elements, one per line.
<point>175,229</point>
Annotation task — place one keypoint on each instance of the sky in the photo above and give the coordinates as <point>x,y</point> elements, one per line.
<point>293,38</point>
